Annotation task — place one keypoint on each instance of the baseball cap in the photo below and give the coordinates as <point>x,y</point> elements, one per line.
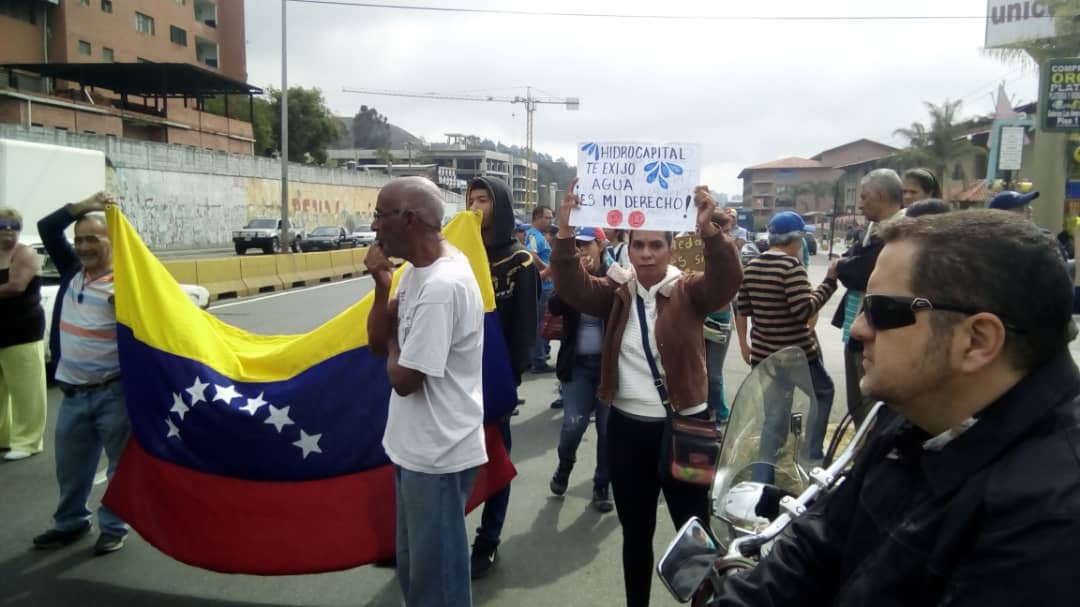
<point>589,234</point>
<point>1009,200</point>
<point>786,222</point>
<point>521,228</point>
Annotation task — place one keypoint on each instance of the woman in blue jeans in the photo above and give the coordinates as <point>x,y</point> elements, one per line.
<point>578,370</point>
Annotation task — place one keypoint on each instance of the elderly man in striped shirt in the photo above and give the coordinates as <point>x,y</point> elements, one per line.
<point>93,415</point>
<point>776,293</point>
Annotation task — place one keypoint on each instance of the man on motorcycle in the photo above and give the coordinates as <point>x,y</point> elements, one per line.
<point>967,491</point>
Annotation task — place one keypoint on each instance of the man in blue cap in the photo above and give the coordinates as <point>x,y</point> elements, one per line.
<point>1021,203</point>
<point>776,293</point>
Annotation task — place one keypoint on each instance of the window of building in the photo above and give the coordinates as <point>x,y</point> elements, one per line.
<point>107,54</point>
<point>84,2</point>
<point>21,10</point>
<point>144,24</point>
<point>84,47</point>
<point>106,6</point>
<point>177,35</point>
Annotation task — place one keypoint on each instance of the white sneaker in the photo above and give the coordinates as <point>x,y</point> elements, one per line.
<point>15,455</point>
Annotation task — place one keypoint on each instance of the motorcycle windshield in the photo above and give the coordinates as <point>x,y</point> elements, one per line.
<point>765,445</point>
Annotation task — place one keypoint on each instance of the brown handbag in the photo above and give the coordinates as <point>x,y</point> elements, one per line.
<point>552,327</point>
<point>689,448</point>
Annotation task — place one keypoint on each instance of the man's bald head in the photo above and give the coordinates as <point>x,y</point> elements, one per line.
<point>417,194</point>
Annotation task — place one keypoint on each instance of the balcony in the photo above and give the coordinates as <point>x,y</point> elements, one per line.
<point>206,12</point>
<point>206,52</point>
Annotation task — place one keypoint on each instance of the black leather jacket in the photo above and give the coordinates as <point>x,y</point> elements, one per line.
<point>991,519</point>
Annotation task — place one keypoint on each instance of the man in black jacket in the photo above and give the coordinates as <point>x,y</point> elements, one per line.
<point>968,489</point>
<point>881,198</point>
<point>517,293</point>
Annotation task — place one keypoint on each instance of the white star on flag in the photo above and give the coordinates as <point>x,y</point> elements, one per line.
<point>178,406</point>
<point>173,430</point>
<point>279,418</point>
<point>226,393</point>
<point>254,404</point>
<point>197,392</point>
<point>308,443</point>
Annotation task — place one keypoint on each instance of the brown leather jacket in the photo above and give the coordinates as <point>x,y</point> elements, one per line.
<point>681,309</point>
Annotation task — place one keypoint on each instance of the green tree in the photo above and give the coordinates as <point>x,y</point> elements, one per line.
<point>938,144</point>
<point>821,190</point>
<point>371,130</point>
<point>312,125</point>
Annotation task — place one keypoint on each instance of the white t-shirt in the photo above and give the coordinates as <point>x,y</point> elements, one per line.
<point>439,428</point>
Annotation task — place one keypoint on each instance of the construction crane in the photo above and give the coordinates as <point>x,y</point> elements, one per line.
<point>571,103</point>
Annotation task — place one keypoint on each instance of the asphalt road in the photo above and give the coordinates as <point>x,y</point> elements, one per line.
<point>556,551</point>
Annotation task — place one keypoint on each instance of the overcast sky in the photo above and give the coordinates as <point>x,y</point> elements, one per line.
<point>748,91</point>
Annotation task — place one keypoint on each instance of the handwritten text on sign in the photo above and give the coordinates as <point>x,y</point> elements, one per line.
<point>637,186</point>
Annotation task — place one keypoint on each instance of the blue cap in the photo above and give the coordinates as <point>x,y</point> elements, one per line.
<point>521,228</point>
<point>589,234</point>
<point>1009,200</point>
<point>786,222</point>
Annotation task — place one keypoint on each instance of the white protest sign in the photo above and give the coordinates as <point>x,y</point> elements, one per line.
<point>637,186</point>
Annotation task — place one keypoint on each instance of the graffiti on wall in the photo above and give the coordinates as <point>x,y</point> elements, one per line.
<point>193,210</point>
<point>313,204</point>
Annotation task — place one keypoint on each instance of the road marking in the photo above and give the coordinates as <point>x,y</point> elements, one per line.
<point>249,300</point>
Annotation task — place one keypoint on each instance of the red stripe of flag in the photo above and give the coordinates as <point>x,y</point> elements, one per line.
<point>272,528</point>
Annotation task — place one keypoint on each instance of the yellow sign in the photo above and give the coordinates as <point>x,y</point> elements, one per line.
<point>689,254</point>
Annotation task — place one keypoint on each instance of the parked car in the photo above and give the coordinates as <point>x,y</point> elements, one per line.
<point>364,235</point>
<point>327,238</point>
<point>263,233</point>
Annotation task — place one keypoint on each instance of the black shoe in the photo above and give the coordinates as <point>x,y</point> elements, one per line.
<point>521,401</point>
<point>390,563</point>
<point>484,556</point>
<point>601,500</point>
<point>561,479</point>
<point>107,543</point>
<point>557,404</point>
<point>54,538</point>
<point>545,368</point>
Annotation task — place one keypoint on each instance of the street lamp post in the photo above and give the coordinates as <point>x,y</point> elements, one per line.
<point>283,240</point>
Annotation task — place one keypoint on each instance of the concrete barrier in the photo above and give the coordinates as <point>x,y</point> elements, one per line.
<point>359,255</point>
<point>287,270</point>
<point>221,277</point>
<point>341,263</point>
<point>317,268</point>
<point>183,271</point>
<point>259,273</point>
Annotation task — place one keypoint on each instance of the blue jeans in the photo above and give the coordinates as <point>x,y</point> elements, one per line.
<point>579,403</point>
<point>87,423</point>
<point>431,525</point>
<point>715,353</point>
<point>494,515</point>
<point>778,399</point>
<point>540,347</point>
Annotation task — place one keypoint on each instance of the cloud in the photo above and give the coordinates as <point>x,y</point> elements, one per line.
<point>749,91</point>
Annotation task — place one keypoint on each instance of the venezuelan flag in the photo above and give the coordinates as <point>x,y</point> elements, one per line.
<point>262,454</point>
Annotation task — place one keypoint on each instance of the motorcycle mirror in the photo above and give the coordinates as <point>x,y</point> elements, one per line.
<point>688,560</point>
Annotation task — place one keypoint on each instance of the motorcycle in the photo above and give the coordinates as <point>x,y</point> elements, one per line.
<point>764,479</point>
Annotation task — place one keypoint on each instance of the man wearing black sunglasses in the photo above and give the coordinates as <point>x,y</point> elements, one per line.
<point>967,491</point>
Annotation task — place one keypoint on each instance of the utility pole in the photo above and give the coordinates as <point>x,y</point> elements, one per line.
<point>283,240</point>
<point>530,107</point>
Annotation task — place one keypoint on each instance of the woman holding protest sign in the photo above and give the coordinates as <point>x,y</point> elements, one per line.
<point>655,314</point>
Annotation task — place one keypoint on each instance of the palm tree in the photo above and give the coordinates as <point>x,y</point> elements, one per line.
<point>820,190</point>
<point>940,143</point>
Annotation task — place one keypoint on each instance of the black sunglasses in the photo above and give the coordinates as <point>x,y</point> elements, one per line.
<point>885,312</point>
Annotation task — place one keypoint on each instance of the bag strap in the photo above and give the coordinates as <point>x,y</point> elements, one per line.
<point>658,381</point>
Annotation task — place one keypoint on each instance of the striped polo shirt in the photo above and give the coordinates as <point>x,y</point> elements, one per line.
<point>776,293</point>
<point>88,353</point>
